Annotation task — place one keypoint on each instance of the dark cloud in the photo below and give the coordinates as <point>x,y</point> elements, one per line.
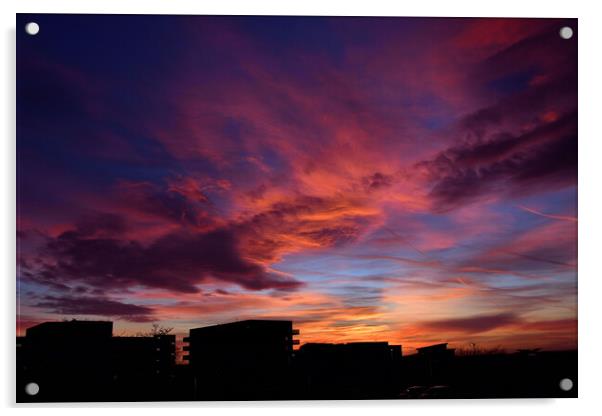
<point>553,93</point>
<point>473,324</point>
<point>177,261</point>
<point>544,51</point>
<point>526,140</point>
<point>477,122</point>
<point>166,202</point>
<point>377,181</point>
<point>95,306</point>
<point>105,224</point>
<point>536,161</point>
<point>99,254</point>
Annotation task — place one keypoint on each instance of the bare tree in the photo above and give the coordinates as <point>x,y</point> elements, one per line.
<point>155,330</point>
<point>473,349</point>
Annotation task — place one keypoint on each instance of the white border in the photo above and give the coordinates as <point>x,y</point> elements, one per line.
<point>507,8</point>
<point>590,194</point>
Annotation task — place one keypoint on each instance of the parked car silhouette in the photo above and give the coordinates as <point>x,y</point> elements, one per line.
<point>412,392</point>
<point>437,392</point>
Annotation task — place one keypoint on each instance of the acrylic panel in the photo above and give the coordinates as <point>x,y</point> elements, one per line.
<point>291,208</point>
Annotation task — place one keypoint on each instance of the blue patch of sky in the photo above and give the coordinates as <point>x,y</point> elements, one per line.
<point>331,267</point>
<point>513,83</point>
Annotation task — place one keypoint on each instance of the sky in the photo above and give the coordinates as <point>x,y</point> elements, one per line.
<point>411,180</point>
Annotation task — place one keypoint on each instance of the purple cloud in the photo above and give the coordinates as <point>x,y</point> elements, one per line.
<point>83,305</point>
<point>473,324</point>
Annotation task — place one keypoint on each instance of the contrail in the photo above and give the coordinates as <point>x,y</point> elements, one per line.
<point>405,240</point>
<point>552,216</point>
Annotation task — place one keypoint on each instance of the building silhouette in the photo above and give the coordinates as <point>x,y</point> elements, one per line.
<point>70,361</point>
<point>352,370</point>
<point>431,365</point>
<point>142,367</point>
<point>245,359</point>
<point>152,355</point>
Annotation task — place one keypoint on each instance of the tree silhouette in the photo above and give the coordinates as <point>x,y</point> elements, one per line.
<point>155,330</point>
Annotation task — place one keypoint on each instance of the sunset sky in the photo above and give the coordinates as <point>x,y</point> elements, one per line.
<point>409,180</point>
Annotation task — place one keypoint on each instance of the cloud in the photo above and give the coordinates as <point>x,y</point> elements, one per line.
<point>103,253</point>
<point>523,138</point>
<point>551,247</point>
<point>83,305</point>
<point>542,51</point>
<point>541,159</point>
<point>180,201</point>
<point>102,224</point>
<point>377,181</point>
<point>567,325</point>
<point>473,324</point>
<point>177,261</point>
<point>299,223</point>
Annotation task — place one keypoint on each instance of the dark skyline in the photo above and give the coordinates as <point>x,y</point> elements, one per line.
<point>255,360</point>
